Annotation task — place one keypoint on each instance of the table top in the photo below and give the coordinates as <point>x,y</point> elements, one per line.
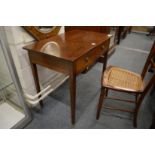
<point>70,45</point>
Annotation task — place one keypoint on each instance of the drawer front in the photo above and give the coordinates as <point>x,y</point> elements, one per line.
<point>89,59</point>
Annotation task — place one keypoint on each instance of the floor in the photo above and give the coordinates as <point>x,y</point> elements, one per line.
<point>130,54</point>
<point>9,116</point>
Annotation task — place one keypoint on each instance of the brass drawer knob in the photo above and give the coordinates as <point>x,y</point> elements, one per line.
<point>87,59</point>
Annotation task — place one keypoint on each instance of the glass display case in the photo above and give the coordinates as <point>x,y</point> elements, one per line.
<point>14,113</point>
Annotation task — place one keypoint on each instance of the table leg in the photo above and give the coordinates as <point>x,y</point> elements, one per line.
<point>72,80</point>
<point>104,65</point>
<point>36,79</point>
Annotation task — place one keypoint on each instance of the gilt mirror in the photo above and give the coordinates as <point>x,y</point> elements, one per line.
<point>42,32</point>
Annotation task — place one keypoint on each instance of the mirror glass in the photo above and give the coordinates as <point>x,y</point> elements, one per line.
<point>51,48</point>
<point>45,29</point>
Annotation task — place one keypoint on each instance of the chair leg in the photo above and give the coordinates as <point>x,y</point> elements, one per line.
<point>136,112</point>
<point>103,90</point>
<point>135,120</point>
<point>136,116</point>
<point>106,92</point>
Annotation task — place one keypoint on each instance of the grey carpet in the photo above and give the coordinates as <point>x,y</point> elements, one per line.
<point>56,111</point>
<point>54,115</point>
<point>138,41</point>
<point>85,91</point>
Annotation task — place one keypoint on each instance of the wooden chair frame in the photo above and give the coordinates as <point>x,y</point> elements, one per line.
<point>139,96</point>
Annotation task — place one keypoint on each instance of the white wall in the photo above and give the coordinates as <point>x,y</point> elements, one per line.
<point>18,38</point>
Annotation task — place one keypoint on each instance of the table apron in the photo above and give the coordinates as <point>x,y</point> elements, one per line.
<point>49,62</point>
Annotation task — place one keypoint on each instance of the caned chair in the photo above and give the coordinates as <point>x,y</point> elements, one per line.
<point>119,79</point>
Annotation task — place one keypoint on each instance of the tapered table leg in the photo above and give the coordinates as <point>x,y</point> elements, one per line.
<point>36,79</point>
<point>72,81</point>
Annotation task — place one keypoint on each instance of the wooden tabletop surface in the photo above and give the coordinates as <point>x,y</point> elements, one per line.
<point>70,45</point>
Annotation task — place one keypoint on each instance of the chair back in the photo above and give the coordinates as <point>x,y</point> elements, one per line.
<point>149,63</point>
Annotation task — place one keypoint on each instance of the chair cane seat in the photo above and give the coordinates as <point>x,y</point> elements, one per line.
<point>121,79</point>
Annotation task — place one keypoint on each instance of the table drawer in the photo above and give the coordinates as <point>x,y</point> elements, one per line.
<point>89,59</point>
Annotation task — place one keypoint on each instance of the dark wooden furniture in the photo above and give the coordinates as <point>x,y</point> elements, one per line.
<point>118,79</point>
<point>152,70</point>
<point>69,53</point>
<point>122,32</point>
<point>101,29</point>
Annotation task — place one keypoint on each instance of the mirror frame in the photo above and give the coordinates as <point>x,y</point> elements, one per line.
<point>38,35</point>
